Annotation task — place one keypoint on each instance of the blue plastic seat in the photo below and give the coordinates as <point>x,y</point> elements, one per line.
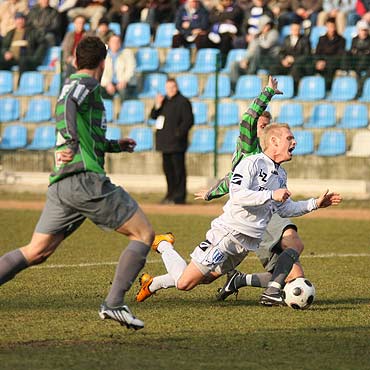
<point>115,27</point>
<point>154,83</point>
<point>284,32</point>
<point>14,137</point>
<point>285,85</point>
<point>311,88</point>
<point>177,60</point>
<point>9,109</point>
<point>137,35</point>
<point>55,85</point>
<point>316,33</point>
<point>354,116</point>
<point>43,138</point>
<point>247,87</point>
<point>200,112</point>
<point>305,142</point>
<point>227,114</point>
<point>52,59</point>
<point>322,116</point>
<point>6,82</point>
<point>343,88</point>
<point>38,110</point>
<point>143,137</point>
<point>202,141</point>
<point>292,114</point>
<point>206,60</point>
<point>332,143</point>
<point>131,112</point>
<point>163,35</point>
<point>113,133</point>
<point>188,84</point>
<point>223,87</point>
<point>109,110</point>
<point>229,143</point>
<point>349,33</point>
<point>31,83</point>
<point>234,55</point>
<point>365,95</point>
<point>147,60</point>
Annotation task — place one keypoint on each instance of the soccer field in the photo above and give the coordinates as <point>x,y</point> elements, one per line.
<point>49,313</point>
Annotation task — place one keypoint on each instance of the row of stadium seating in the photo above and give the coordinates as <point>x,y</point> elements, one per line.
<point>332,143</point>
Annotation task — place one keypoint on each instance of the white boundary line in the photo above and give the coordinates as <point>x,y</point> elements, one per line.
<point>95,264</point>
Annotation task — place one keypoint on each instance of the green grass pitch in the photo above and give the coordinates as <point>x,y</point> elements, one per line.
<point>49,314</point>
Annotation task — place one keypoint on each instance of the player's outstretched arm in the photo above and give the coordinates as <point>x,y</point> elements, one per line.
<point>218,190</point>
<point>127,144</point>
<point>328,199</point>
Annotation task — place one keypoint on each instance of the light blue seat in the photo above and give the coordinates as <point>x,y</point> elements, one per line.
<point>154,83</point>
<point>234,55</point>
<point>188,84</point>
<point>31,83</point>
<point>291,113</point>
<point>137,35</point>
<point>316,33</point>
<point>177,60</point>
<point>200,112</point>
<point>109,110</point>
<point>355,116</point>
<point>147,60</point>
<point>71,27</point>
<point>14,137</point>
<point>311,88</point>
<point>223,87</point>
<point>115,27</point>
<point>163,35</point>
<point>229,143</point>
<point>284,32</point>
<point>143,137</point>
<point>349,33</point>
<point>55,86</point>
<point>9,109</point>
<point>52,59</point>
<point>131,112</point>
<point>206,60</point>
<point>6,82</point>
<point>365,95</point>
<point>43,138</point>
<point>286,85</point>
<point>227,114</point>
<point>38,110</point>
<point>202,141</point>
<point>247,87</point>
<point>305,142</point>
<point>332,143</point>
<point>322,116</point>
<point>113,133</point>
<point>343,88</point>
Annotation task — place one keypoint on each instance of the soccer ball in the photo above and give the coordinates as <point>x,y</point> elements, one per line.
<point>299,294</point>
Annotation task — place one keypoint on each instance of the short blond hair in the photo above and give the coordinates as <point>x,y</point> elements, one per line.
<point>274,129</point>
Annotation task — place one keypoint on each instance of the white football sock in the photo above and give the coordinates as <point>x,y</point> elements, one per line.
<point>174,263</point>
<point>161,282</point>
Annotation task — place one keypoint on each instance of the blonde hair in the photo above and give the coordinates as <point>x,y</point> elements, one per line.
<point>274,129</point>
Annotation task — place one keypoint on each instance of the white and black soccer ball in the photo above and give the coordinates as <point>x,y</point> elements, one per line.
<point>299,293</point>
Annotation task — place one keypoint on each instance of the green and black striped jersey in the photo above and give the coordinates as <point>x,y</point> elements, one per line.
<point>247,142</point>
<point>81,126</point>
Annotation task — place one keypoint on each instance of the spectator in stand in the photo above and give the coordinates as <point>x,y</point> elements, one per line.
<point>192,25</point>
<point>293,54</point>
<point>306,12</point>
<point>22,47</point>
<point>8,8</point>
<point>47,19</point>
<point>157,12</point>
<point>282,10</point>
<point>119,73</point>
<point>92,10</point>
<point>103,31</point>
<point>363,10</point>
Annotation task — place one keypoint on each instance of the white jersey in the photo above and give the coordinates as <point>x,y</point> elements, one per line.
<point>250,205</point>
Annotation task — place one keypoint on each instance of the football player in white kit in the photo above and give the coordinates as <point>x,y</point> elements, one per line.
<point>257,191</point>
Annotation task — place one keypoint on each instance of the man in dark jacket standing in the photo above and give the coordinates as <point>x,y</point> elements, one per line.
<point>174,118</point>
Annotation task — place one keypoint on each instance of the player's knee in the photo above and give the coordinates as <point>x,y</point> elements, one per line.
<point>184,284</point>
<point>292,240</point>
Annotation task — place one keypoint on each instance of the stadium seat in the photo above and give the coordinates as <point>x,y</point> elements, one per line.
<point>343,88</point>
<point>188,84</point>
<point>291,113</point>
<point>202,141</point>
<point>137,35</point>
<point>322,116</point>
<point>305,142</point>
<point>316,33</point>
<point>109,110</point>
<point>163,35</point>
<point>360,144</point>
<point>38,110</point>
<point>229,143</point>
<point>200,112</point>
<point>154,83</point>
<point>365,95</point>
<point>223,88</point>
<point>349,33</point>
<point>55,85</point>
<point>354,116</point>
<point>13,137</point>
<point>43,138</point>
<point>131,112</point>
<point>177,60</point>
<point>9,109</point>
<point>115,27</point>
<point>227,114</point>
<point>31,83</point>
<point>284,32</point>
<point>234,55</point>
<point>113,133</point>
<point>332,143</point>
<point>143,137</point>
<point>6,82</point>
<point>52,59</point>
<point>311,88</point>
<point>206,60</point>
<point>286,85</point>
<point>147,60</point>
<point>71,27</point>
<point>247,87</point>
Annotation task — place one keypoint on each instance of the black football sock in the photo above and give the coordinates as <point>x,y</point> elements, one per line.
<point>259,280</point>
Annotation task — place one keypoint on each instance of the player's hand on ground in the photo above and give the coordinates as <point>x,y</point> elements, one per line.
<point>281,195</point>
<point>201,194</point>
<point>127,144</point>
<point>273,84</point>
<point>328,199</point>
